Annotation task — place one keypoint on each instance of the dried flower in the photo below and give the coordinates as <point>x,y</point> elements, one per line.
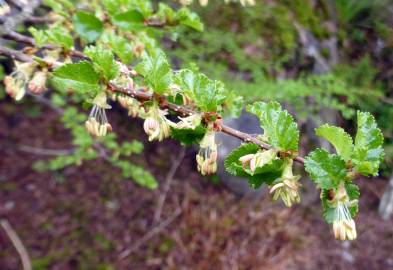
<point>207,155</point>
<point>287,186</point>
<point>15,83</point>
<point>156,125</point>
<point>38,82</point>
<point>97,124</point>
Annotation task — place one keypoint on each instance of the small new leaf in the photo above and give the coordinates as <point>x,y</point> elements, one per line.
<point>325,169</point>
<point>104,61</point>
<point>87,26</point>
<point>341,140</point>
<point>156,70</point>
<point>368,151</point>
<point>79,77</point>
<point>130,20</point>
<point>188,136</point>
<point>185,17</point>
<point>278,125</point>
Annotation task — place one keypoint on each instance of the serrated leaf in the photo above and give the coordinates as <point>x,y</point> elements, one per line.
<point>130,20</point>
<point>207,94</point>
<point>60,36</point>
<point>120,46</point>
<point>326,170</point>
<point>188,136</point>
<point>278,125</point>
<point>185,17</point>
<point>368,151</point>
<point>156,70</point>
<point>39,36</point>
<point>104,61</point>
<point>87,26</point>
<point>79,77</point>
<point>341,140</point>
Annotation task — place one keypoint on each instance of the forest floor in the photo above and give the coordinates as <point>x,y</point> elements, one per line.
<point>88,217</point>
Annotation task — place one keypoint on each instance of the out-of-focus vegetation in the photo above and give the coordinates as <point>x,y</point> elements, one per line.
<point>260,52</point>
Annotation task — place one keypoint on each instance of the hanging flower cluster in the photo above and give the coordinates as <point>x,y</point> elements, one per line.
<point>97,124</point>
<point>344,227</point>
<point>38,82</point>
<point>207,156</point>
<point>287,186</point>
<point>15,83</point>
<point>156,125</point>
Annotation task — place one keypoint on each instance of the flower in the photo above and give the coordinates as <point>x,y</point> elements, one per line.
<point>15,83</point>
<point>129,103</point>
<point>189,122</point>
<point>207,156</point>
<point>287,186</point>
<point>156,125</point>
<point>251,162</point>
<point>97,124</point>
<point>38,82</point>
<point>344,227</point>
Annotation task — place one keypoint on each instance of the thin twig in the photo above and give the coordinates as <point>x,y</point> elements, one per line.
<point>167,185</point>
<point>143,96</point>
<point>20,248</point>
<point>156,230</point>
<point>44,151</point>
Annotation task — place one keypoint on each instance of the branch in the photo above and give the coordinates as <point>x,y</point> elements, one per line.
<point>143,96</point>
<point>24,256</point>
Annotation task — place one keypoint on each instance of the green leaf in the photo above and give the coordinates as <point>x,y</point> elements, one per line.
<point>368,151</point>
<point>60,6</point>
<point>87,26</point>
<point>279,126</point>
<point>353,194</point>
<point>207,94</point>
<point>185,17</point>
<point>120,46</point>
<point>39,36</point>
<point>104,61</point>
<point>156,70</point>
<point>326,170</point>
<point>138,174</point>
<point>188,136</point>
<point>130,20</point>
<point>232,163</point>
<point>79,77</point>
<point>341,140</point>
<point>60,36</point>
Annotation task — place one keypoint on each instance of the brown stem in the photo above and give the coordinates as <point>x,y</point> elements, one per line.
<point>143,96</point>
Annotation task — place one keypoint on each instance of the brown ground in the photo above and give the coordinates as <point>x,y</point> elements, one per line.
<point>85,217</point>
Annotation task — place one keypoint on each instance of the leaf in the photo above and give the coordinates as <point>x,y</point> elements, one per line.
<point>207,94</point>
<point>61,37</point>
<point>104,61</point>
<point>130,20</point>
<point>341,140</point>
<point>120,46</point>
<point>278,125</point>
<point>87,26</point>
<point>138,174</point>
<point>79,77</point>
<point>326,170</point>
<point>232,163</point>
<point>186,17</point>
<point>156,70</point>
<point>368,151</point>
<point>39,36</point>
<point>188,136</point>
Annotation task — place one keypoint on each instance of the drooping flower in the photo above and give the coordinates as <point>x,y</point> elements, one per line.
<point>37,85</point>
<point>156,125</point>
<point>344,227</point>
<point>207,155</point>
<point>132,105</point>
<point>15,83</point>
<point>97,124</point>
<point>287,186</point>
<point>251,162</point>
<point>189,122</point>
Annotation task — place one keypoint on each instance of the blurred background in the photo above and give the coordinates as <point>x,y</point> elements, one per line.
<point>322,59</point>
